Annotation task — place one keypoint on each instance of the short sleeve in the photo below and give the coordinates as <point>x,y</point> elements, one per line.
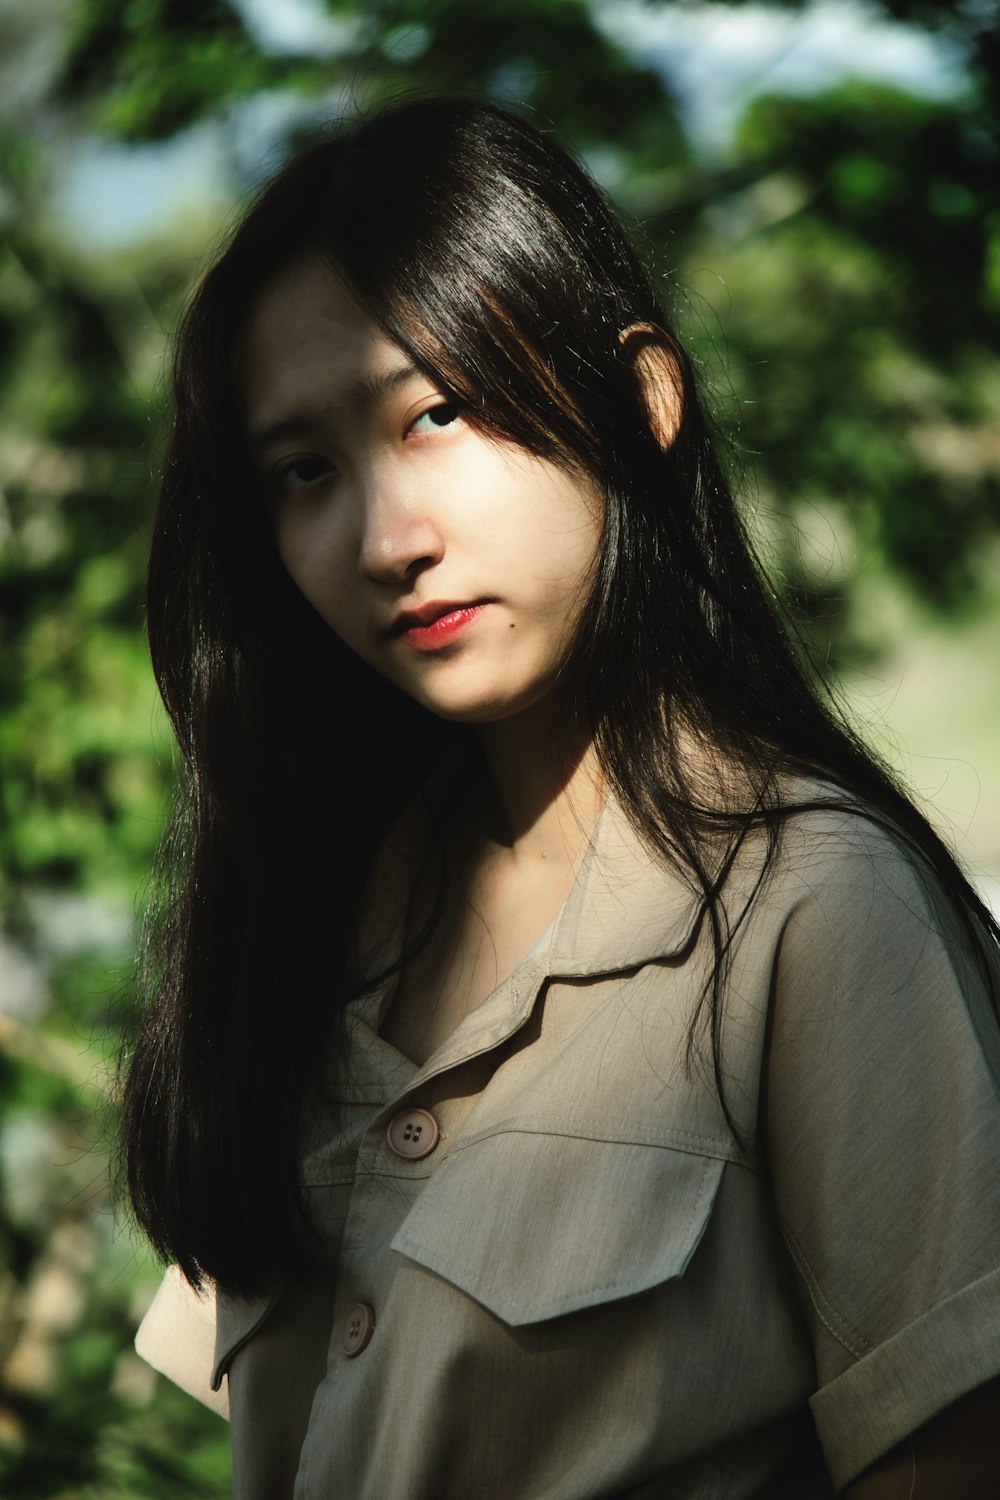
<point>883,1127</point>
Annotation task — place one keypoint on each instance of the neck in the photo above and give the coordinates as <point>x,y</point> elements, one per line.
<point>540,802</point>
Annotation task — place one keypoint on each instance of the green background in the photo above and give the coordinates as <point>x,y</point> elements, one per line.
<point>832,257</point>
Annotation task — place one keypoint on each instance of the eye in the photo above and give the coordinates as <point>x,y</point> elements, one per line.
<point>444,414</point>
<point>299,473</point>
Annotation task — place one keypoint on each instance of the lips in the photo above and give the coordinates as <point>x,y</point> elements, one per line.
<point>429,614</point>
<point>436,624</point>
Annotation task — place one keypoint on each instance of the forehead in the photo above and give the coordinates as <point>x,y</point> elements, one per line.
<point>306,333</point>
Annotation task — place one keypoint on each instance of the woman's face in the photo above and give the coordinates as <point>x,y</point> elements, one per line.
<point>454,564</point>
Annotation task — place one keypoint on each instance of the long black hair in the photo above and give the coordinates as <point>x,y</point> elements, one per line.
<point>490,257</point>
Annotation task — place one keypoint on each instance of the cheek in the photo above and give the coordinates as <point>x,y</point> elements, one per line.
<point>329,593</point>
<point>583,541</point>
<point>335,606</point>
<point>586,546</point>
<point>591,542</point>
<point>315,556</point>
<point>577,507</point>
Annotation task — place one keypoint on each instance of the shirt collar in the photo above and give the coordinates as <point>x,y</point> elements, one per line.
<point>627,906</point>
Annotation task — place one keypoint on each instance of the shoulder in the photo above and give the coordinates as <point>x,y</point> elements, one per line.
<point>848,888</point>
<point>880,1016</point>
<point>883,1043</point>
<point>836,848</point>
<point>881,1111</point>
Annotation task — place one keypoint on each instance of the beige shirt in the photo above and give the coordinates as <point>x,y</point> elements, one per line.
<point>588,1288</point>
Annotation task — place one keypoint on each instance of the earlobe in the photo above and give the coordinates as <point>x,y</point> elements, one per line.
<point>650,353</point>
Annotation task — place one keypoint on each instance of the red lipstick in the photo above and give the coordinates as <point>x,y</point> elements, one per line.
<point>436,624</point>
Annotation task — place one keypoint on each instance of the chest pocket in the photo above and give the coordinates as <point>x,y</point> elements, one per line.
<point>535,1225</point>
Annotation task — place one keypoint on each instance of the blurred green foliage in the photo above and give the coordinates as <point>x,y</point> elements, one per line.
<point>837,274</point>
<point>873,375</point>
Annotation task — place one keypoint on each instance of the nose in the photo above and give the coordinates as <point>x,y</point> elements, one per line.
<point>400,538</point>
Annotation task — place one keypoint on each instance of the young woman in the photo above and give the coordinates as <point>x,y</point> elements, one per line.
<point>569,1065</point>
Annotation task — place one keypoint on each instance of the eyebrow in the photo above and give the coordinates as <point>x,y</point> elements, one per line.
<point>359,397</point>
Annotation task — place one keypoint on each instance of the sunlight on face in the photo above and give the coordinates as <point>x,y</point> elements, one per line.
<point>456,565</point>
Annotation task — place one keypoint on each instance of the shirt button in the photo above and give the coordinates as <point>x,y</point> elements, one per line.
<point>413,1134</point>
<point>359,1325</point>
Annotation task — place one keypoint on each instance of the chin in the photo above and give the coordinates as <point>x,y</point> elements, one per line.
<point>479,710</point>
<point>469,713</point>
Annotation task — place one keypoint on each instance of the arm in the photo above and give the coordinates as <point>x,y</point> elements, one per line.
<point>883,1117</point>
<point>956,1453</point>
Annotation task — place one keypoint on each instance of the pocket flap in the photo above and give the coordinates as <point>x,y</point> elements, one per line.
<point>536,1225</point>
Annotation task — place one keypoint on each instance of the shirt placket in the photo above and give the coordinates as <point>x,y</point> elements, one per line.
<point>400,1150</point>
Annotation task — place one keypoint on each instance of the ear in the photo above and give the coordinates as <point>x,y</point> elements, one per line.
<point>651,355</point>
